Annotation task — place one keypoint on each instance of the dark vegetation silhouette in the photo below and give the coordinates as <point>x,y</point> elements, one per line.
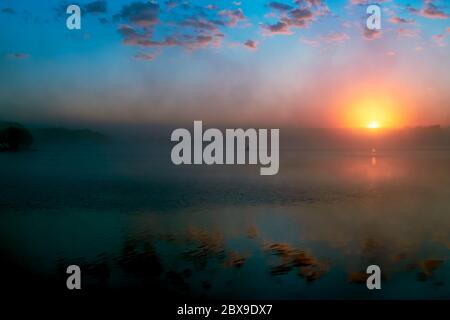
<point>15,138</point>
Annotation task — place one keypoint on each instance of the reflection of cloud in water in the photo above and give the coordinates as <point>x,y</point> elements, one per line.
<point>228,234</point>
<point>308,266</point>
<point>362,236</point>
<point>140,259</point>
<point>428,267</point>
<point>203,246</point>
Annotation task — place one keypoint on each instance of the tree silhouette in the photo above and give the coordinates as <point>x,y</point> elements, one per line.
<point>15,138</point>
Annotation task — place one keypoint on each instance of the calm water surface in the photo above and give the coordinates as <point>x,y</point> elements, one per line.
<point>131,219</point>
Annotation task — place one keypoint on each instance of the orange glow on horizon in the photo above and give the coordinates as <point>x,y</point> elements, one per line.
<point>373,111</point>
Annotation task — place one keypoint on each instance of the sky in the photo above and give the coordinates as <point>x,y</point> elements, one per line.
<point>305,63</point>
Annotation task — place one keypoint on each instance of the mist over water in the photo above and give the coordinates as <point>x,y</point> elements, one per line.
<point>131,219</point>
<point>91,92</point>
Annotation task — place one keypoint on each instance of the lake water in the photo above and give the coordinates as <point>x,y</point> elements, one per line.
<point>131,219</point>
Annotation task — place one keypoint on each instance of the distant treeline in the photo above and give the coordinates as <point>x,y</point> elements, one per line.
<point>14,136</point>
<point>63,135</point>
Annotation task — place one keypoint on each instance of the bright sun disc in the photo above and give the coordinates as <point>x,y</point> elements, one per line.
<point>373,125</point>
<point>379,110</point>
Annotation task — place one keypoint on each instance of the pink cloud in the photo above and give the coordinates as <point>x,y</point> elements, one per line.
<point>310,42</point>
<point>251,44</point>
<point>233,16</point>
<point>439,39</point>
<point>407,32</point>
<point>401,20</point>
<point>366,2</point>
<point>279,6</point>
<point>335,37</point>
<point>144,56</point>
<point>431,11</point>
<point>278,28</point>
<point>371,34</point>
<point>299,16</point>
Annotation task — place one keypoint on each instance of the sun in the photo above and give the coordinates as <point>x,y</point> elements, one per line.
<point>372,112</point>
<point>373,124</point>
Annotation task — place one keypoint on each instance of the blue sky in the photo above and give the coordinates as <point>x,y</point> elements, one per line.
<point>230,61</point>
